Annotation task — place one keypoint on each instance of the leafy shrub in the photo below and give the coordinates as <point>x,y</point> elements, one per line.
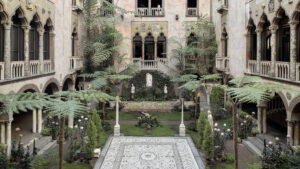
<point>97,121</point>
<point>49,159</point>
<point>229,157</point>
<point>217,102</point>
<point>201,124</point>
<point>192,127</point>
<point>46,131</point>
<point>3,159</point>
<point>92,139</point>
<point>208,142</point>
<point>146,119</point>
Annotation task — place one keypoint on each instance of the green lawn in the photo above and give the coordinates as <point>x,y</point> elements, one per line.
<point>131,130</point>
<point>173,116</point>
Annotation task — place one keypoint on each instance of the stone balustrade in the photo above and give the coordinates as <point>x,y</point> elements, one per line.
<point>163,60</point>
<point>17,69</point>
<point>265,67</point>
<point>1,70</point>
<point>76,63</point>
<point>150,11</point>
<point>34,67</point>
<point>47,66</point>
<point>298,71</point>
<point>252,66</point>
<point>282,70</point>
<point>149,65</point>
<point>192,12</point>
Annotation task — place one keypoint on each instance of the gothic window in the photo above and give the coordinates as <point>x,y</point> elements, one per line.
<point>17,38</point>
<point>74,43</point>
<point>33,41</point>
<point>46,42</point>
<point>1,42</point>
<point>161,46</point>
<point>156,3</point>
<point>192,3</point>
<point>283,39</point>
<point>298,43</point>
<point>225,43</point>
<point>149,47</point>
<point>266,42</point>
<point>142,4</point>
<point>253,43</point>
<point>192,42</point>
<point>137,46</point>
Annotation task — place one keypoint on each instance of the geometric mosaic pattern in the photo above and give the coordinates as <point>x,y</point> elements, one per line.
<point>149,153</point>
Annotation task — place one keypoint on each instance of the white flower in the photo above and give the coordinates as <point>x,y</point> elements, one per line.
<point>242,124</point>
<point>225,125</point>
<point>245,121</point>
<point>222,134</point>
<point>270,142</point>
<point>228,130</point>
<point>216,124</point>
<point>82,117</point>
<point>76,126</point>
<point>79,120</point>
<point>253,113</point>
<point>86,118</point>
<point>81,128</point>
<point>277,138</point>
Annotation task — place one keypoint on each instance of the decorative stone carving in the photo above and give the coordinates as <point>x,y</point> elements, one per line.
<point>271,6</point>
<point>149,80</point>
<point>288,96</point>
<point>29,4</point>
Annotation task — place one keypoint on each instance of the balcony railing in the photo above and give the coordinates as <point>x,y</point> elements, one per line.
<point>222,6</point>
<point>192,12</point>
<point>298,71</point>
<point>1,70</point>
<point>149,65</point>
<point>47,66</point>
<point>252,66</point>
<point>150,12</point>
<point>222,64</point>
<point>163,60</point>
<point>265,67</point>
<point>283,70</point>
<point>17,69</point>
<point>34,67</point>
<point>76,63</point>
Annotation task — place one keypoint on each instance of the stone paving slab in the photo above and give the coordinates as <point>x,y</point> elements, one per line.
<point>149,153</point>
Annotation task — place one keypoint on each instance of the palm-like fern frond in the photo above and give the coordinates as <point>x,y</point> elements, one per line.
<point>65,108</point>
<point>98,82</point>
<point>185,78</point>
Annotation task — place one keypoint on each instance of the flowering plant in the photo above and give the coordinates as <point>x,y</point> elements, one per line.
<point>147,119</point>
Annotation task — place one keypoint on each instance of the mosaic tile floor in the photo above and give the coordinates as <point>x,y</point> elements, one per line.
<point>149,153</point>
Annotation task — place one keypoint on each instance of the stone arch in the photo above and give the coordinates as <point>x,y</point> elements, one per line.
<point>36,18</point>
<point>284,100</point>
<point>20,14</point>
<point>3,13</point>
<point>29,87</point>
<point>294,103</point>
<point>278,16</point>
<point>49,24</point>
<point>51,81</point>
<point>262,21</point>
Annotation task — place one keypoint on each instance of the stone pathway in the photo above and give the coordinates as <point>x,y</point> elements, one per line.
<point>149,153</point>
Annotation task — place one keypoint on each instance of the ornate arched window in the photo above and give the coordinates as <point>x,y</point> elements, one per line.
<point>34,39</point>
<point>149,47</point>
<point>46,42</point>
<point>283,38</point>
<point>17,38</point>
<point>224,43</point>
<point>137,46</point>
<point>161,46</point>
<point>191,40</point>
<point>1,40</point>
<point>253,43</point>
<point>266,41</point>
<point>298,40</point>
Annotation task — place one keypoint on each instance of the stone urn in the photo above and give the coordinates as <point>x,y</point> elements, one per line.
<point>148,130</point>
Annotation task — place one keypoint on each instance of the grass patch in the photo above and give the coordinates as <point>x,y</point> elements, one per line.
<point>164,130</point>
<point>122,116</point>
<point>195,138</point>
<point>226,165</point>
<point>76,166</point>
<point>103,138</point>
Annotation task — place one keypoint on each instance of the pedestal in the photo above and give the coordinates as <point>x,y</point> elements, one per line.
<point>182,130</point>
<point>117,130</point>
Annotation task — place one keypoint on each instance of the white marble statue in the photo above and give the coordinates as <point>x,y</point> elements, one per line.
<point>148,80</point>
<point>210,119</point>
<point>132,89</point>
<point>166,89</point>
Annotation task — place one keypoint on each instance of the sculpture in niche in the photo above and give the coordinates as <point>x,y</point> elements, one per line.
<point>166,89</point>
<point>132,89</point>
<point>148,80</point>
<point>271,6</point>
<point>29,4</point>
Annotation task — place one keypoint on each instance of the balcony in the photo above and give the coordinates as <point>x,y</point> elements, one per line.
<point>192,12</point>
<point>150,12</point>
<point>222,6</point>
<point>76,63</point>
<point>222,64</point>
<point>282,70</point>
<point>77,5</point>
<point>149,64</point>
<point>34,67</point>
<point>17,69</point>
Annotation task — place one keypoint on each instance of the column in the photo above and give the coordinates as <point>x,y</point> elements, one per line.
<point>264,120</point>
<point>258,58</point>
<point>293,55</point>
<point>41,51</point>
<point>290,133</point>
<point>2,133</point>
<point>149,8</point>
<point>71,121</point>
<point>7,57</point>
<point>259,119</point>
<point>155,49</point>
<point>143,50</point>
<point>8,138</point>
<point>274,49</point>
<point>40,120</point>
<point>117,126</point>
<point>34,121</point>
<point>26,51</point>
<point>182,126</point>
<point>297,134</point>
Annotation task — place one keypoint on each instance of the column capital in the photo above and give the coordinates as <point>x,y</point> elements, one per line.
<point>7,25</point>
<point>258,30</point>
<point>41,32</point>
<point>294,24</point>
<point>273,29</point>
